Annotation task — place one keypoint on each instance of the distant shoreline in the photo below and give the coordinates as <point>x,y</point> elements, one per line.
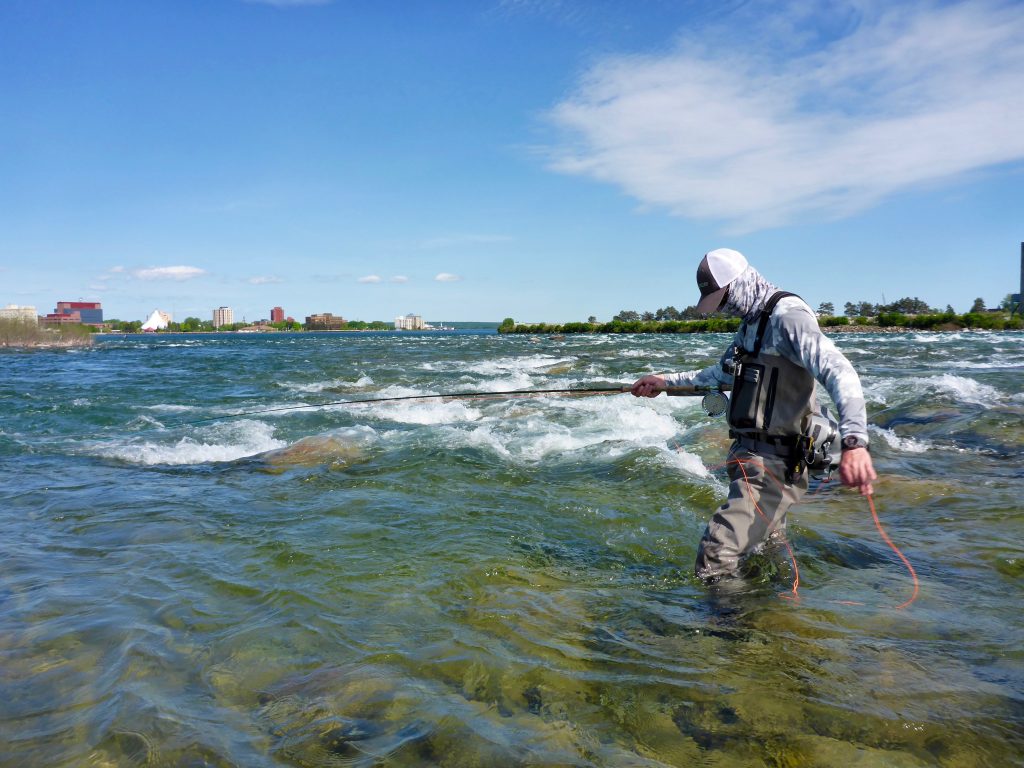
<point>157,334</point>
<point>885,323</point>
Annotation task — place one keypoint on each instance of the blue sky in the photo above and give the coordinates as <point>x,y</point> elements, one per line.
<point>539,159</point>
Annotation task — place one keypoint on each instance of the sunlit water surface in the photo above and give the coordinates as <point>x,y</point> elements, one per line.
<point>493,582</point>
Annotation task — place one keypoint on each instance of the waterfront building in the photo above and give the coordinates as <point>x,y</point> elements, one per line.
<point>157,321</point>
<point>409,323</point>
<point>223,316</point>
<point>14,312</point>
<point>277,315</point>
<point>66,312</point>
<point>324,322</point>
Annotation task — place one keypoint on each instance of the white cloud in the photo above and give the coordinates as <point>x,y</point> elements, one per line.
<point>399,279</point>
<point>369,279</point>
<point>447,277</point>
<point>915,93</point>
<point>116,270</point>
<point>265,279</point>
<point>169,273</point>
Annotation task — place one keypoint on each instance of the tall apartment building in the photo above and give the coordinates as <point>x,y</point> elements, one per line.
<point>14,312</point>
<point>409,323</point>
<point>277,315</point>
<point>223,316</point>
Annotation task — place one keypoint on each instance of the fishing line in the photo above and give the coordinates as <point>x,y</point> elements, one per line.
<point>906,562</point>
<point>793,594</point>
<point>673,391</point>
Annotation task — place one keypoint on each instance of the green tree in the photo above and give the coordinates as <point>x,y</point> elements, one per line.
<point>507,325</point>
<point>850,309</point>
<point>626,316</point>
<point>592,319</point>
<point>867,309</point>
<point>826,308</point>
<point>907,306</point>
<point>978,305</point>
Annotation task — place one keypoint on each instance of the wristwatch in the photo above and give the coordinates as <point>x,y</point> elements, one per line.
<point>853,441</point>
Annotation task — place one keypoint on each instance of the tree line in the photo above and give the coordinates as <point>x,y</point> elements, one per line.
<point>904,306</point>
<point>909,313</point>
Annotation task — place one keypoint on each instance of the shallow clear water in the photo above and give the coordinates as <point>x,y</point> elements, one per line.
<point>491,582</point>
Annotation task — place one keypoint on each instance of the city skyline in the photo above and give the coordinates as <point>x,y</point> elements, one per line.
<point>547,161</point>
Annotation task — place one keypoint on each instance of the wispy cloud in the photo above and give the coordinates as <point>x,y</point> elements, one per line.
<point>169,273</point>
<point>447,277</point>
<point>910,94</point>
<point>265,279</point>
<point>369,279</point>
<point>399,279</point>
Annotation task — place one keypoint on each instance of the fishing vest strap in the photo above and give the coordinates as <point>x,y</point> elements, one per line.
<point>766,316</point>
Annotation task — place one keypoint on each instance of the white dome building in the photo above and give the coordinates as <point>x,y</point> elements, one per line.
<point>157,321</point>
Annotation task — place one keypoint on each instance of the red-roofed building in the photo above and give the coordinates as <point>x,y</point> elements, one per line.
<point>89,312</point>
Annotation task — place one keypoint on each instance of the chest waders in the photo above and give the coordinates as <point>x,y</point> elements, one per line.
<point>772,398</point>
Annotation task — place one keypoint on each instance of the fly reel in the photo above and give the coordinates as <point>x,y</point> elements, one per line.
<point>714,404</point>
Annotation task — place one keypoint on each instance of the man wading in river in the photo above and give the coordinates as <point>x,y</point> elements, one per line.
<point>777,354</point>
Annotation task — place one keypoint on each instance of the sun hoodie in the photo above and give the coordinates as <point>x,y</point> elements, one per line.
<point>792,333</point>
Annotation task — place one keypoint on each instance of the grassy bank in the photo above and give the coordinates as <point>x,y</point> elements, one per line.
<point>892,321</point>
<point>711,325</point>
<point>21,335</point>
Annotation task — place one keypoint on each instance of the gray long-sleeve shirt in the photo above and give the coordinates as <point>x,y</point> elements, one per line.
<point>792,333</point>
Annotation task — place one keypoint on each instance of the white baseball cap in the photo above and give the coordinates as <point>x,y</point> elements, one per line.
<point>717,269</point>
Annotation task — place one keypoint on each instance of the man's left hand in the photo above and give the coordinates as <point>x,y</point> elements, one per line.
<point>856,470</point>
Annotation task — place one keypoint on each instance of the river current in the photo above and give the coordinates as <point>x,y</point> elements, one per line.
<point>492,582</point>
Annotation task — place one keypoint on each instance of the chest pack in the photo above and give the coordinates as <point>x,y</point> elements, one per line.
<point>759,380</point>
<point>773,400</point>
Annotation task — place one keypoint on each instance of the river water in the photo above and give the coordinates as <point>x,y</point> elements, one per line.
<point>492,582</point>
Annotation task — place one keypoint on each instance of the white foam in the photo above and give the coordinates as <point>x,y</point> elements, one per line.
<point>518,365</point>
<point>514,381</point>
<point>937,337</point>
<point>612,426</point>
<point>167,408</point>
<point>970,365</point>
<point>220,442</point>
<point>958,388</point>
<point>902,444</point>
<point>319,386</point>
<point>645,353</point>
<point>688,462</point>
<point>425,412</point>
<point>478,437</point>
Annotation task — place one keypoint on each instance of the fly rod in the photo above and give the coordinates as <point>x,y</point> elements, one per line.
<point>582,391</point>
